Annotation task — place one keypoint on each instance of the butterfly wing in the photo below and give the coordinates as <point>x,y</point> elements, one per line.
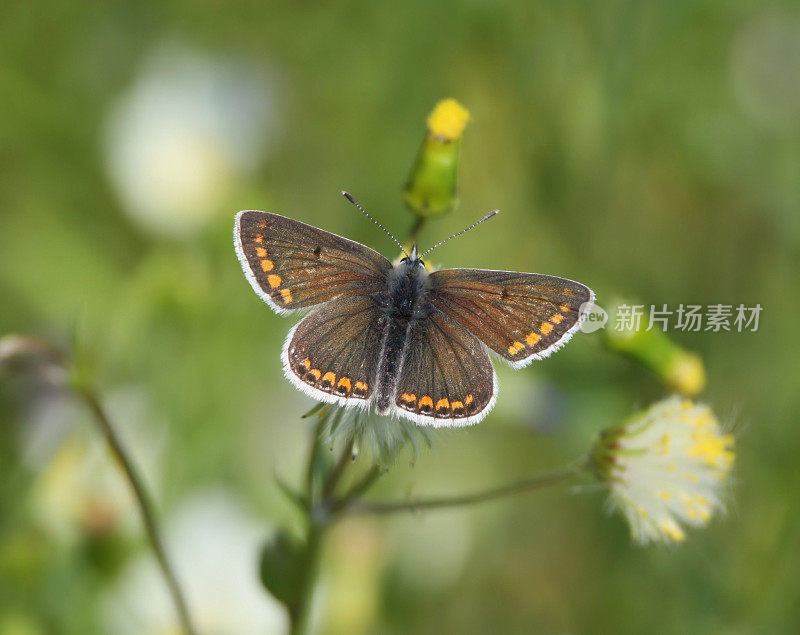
<point>331,353</point>
<point>447,378</point>
<point>520,316</point>
<point>291,265</point>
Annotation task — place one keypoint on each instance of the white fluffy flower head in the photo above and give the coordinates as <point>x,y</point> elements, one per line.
<point>188,129</point>
<point>665,468</point>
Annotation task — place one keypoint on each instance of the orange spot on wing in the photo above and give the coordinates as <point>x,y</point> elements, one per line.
<point>262,224</point>
<point>315,372</point>
<point>259,238</point>
<point>361,386</point>
<point>267,265</point>
<point>274,280</point>
<point>261,252</point>
<point>564,307</point>
<point>532,338</point>
<point>286,294</point>
<point>545,328</point>
<point>515,348</point>
<point>457,405</point>
<point>556,318</point>
<point>443,404</point>
<point>468,400</point>
<point>425,401</point>
<point>345,383</point>
<point>329,377</point>
<point>305,364</point>
<point>408,398</point>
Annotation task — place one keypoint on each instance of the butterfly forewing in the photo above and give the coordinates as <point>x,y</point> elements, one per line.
<point>520,316</point>
<point>292,265</point>
<point>447,377</point>
<point>332,353</point>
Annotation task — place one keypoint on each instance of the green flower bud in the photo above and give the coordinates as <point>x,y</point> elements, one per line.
<point>678,368</point>
<point>431,186</point>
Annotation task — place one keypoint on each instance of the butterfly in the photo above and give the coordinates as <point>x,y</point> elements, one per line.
<point>408,342</point>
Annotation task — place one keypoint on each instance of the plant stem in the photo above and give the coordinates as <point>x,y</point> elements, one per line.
<point>464,500</point>
<point>358,488</point>
<point>13,347</point>
<point>413,234</point>
<point>144,504</point>
<point>338,470</point>
<point>316,448</point>
<point>300,610</point>
<point>320,516</point>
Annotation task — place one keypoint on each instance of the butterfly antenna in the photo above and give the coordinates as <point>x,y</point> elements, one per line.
<point>363,211</point>
<point>463,231</point>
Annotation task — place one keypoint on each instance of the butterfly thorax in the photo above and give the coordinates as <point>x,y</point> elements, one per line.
<point>408,283</point>
<point>404,303</point>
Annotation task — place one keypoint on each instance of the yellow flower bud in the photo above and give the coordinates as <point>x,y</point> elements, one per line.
<point>432,184</point>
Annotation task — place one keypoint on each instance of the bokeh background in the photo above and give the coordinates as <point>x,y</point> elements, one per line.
<point>648,150</point>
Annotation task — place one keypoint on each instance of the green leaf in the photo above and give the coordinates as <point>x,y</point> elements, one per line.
<point>283,567</point>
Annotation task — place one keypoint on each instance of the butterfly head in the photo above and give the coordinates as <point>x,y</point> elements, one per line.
<point>413,260</point>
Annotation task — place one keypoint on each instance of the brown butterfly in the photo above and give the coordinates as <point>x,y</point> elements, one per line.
<point>408,342</point>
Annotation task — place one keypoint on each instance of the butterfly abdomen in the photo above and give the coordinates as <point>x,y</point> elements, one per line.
<point>389,366</point>
<point>402,306</point>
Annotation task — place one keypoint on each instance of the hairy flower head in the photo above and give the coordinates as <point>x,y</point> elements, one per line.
<point>665,468</point>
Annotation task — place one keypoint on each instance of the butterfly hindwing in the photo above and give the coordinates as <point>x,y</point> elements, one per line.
<point>331,354</point>
<point>291,265</point>
<point>447,378</point>
<point>520,316</point>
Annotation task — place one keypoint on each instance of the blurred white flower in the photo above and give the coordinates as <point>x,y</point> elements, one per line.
<point>79,487</point>
<point>188,127</point>
<point>665,467</point>
<point>765,69</point>
<point>213,544</point>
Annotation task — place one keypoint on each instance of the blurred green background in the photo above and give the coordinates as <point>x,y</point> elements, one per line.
<point>648,150</point>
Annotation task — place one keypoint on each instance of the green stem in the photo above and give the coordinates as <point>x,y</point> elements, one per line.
<point>144,504</point>
<point>464,500</point>
<point>316,448</point>
<point>338,470</point>
<point>13,347</point>
<point>320,517</point>
<point>358,488</point>
<point>416,228</point>
<point>300,610</point>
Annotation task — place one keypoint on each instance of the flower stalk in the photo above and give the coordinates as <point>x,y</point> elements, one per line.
<point>555,477</point>
<point>16,348</point>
